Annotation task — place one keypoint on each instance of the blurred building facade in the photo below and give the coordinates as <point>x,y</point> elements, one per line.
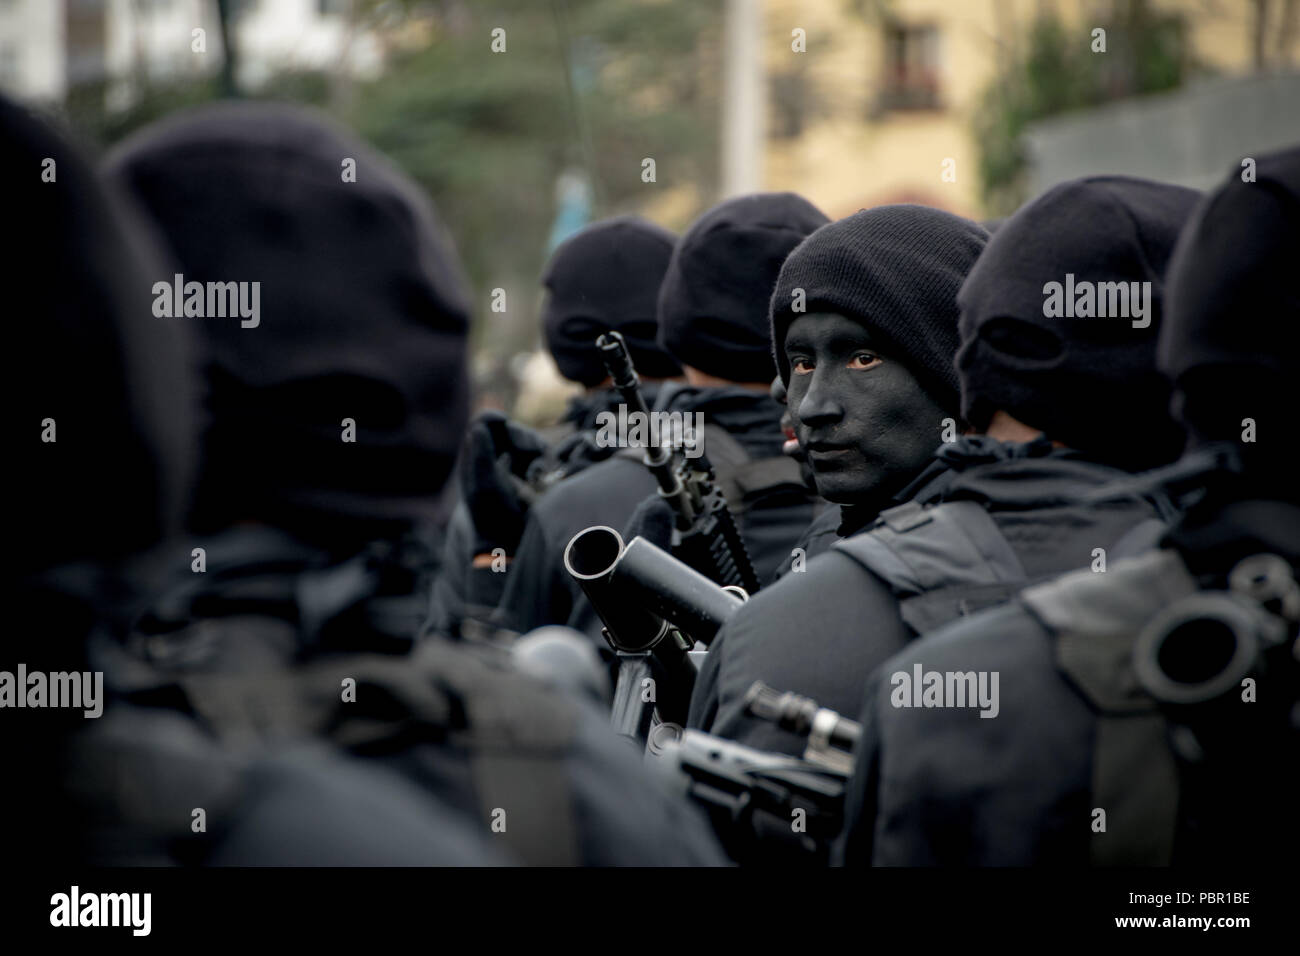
<point>850,102</point>
<point>886,91</point>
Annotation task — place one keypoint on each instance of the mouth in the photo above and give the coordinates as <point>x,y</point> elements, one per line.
<point>827,449</point>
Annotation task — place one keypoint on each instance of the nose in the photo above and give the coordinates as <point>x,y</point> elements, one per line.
<point>819,408</point>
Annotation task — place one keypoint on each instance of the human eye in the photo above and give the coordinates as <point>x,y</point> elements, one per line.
<point>864,360</point>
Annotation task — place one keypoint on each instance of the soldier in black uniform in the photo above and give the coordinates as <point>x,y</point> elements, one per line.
<point>857,272</point>
<point>108,405</point>
<point>712,319</point>
<point>1148,715</point>
<point>335,417</point>
<point>605,277</point>
<point>1064,404</point>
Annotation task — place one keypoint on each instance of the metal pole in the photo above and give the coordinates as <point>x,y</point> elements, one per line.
<point>743,95</point>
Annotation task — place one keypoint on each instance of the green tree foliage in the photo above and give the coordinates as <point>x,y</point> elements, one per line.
<point>1146,52</point>
<point>592,86</point>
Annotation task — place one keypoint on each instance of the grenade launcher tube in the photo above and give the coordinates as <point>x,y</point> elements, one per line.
<point>639,587</point>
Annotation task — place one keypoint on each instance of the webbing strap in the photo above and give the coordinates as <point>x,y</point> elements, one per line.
<point>741,478</point>
<point>522,734</point>
<point>1135,780</point>
<point>516,734</point>
<point>1095,618</point>
<point>529,801</point>
<point>941,562</point>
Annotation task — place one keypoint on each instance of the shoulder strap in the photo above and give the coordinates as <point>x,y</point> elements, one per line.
<point>942,561</point>
<point>371,601</point>
<point>744,479</point>
<point>1094,619</point>
<point>1142,537</point>
<point>761,477</point>
<point>727,456</point>
<point>522,738</point>
<point>517,736</point>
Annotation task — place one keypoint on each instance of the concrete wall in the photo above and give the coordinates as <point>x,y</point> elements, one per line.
<point>1193,136</point>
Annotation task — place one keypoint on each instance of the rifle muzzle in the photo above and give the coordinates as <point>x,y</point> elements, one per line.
<point>591,558</point>
<point>636,589</point>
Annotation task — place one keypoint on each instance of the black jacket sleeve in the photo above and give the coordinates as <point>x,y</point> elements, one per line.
<point>819,632</point>
<point>537,591</point>
<point>951,786</point>
<point>447,602</point>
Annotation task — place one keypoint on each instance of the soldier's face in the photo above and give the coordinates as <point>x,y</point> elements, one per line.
<point>865,422</point>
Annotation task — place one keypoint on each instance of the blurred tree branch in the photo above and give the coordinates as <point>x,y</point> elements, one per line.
<point>1147,52</point>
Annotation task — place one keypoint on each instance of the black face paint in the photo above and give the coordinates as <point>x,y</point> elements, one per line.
<point>867,425</point>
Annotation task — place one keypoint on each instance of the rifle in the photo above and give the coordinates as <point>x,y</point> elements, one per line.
<point>753,797</point>
<point>831,738</point>
<point>704,534</point>
<point>655,609</point>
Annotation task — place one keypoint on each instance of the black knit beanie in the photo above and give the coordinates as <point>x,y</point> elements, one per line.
<point>364,316</point>
<point>896,270</point>
<point>101,393</point>
<point>605,277</point>
<point>714,299</point>
<point>1231,342</point>
<point>1087,381</point>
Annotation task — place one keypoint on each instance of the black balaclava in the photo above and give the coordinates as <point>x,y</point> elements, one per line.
<point>112,379</point>
<point>1231,344</point>
<point>883,280</point>
<point>1088,382</point>
<point>894,269</point>
<point>714,299</point>
<point>103,414</point>
<point>364,316</point>
<point>604,277</point>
